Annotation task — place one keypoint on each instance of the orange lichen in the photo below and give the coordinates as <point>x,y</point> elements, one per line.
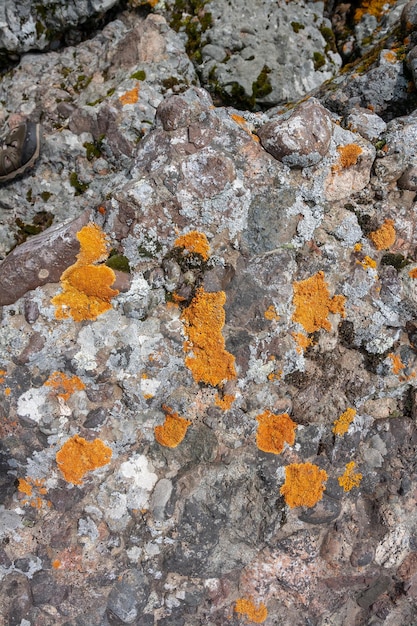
<point>174,429</point>
<point>56,563</point>
<point>349,154</point>
<point>7,391</point>
<point>24,487</point>
<point>274,431</point>
<point>2,375</point>
<point>204,319</point>
<point>224,402</point>
<point>357,247</point>
<point>302,341</point>
<point>86,291</point>
<point>255,614</point>
<point>342,423</point>
<point>244,124</point>
<point>303,484</point>
<point>349,478</point>
<point>34,489</point>
<point>384,237</point>
<point>194,242</point>
<point>412,274</point>
<point>313,303</point>
<point>64,385</point>
<point>397,364</point>
<point>275,375</point>
<point>271,313</point>
<point>131,96</point>
<point>79,456</point>
<point>368,262</point>
<point>372,7</point>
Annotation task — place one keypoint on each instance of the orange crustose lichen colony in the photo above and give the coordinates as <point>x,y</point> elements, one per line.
<point>304,484</point>
<point>255,614</point>
<point>86,288</point>
<point>349,478</point>
<point>208,358</point>
<point>64,385</point>
<point>79,456</point>
<point>342,423</point>
<point>313,303</point>
<point>349,154</point>
<point>194,242</point>
<point>274,431</point>
<point>173,430</point>
<point>384,237</point>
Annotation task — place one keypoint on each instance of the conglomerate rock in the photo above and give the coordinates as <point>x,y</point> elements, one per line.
<point>210,418</point>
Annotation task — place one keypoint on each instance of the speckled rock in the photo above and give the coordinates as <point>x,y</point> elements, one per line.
<point>141,481</point>
<point>300,138</point>
<point>29,25</point>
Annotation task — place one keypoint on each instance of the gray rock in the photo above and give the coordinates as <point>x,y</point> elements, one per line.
<point>128,597</point>
<point>300,138</point>
<point>261,53</point>
<point>29,25</point>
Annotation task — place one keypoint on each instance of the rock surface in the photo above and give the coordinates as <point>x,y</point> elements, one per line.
<point>213,311</point>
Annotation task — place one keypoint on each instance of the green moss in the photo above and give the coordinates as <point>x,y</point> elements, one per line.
<point>380,144</point>
<point>328,36</point>
<point>118,262</point>
<point>79,187</point>
<point>296,26</point>
<point>191,17</point>
<point>319,60</point>
<point>41,221</point>
<point>396,260</point>
<point>40,28</point>
<point>45,195</point>
<point>94,149</point>
<point>82,82</point>
<point>262,85</point>
<point>139,75</point>
<point>110,92</point>
<point>29,195</point>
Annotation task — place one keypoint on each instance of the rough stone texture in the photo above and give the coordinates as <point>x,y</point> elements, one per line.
<point>29,25</point>
<point>289,39</point>
<point>301,138</point>
<point>174,536</point>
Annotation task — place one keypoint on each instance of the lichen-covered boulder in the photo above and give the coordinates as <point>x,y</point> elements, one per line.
<point>300,138</point>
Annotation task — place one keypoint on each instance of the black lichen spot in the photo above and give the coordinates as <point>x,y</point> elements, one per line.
<point>41,221</point>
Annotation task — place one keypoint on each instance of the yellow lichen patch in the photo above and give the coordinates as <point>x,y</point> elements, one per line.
<point>130,97</point>
<point>302,341</point>
<point>357,247</point>
<point>349,478</point>
<point>174,429</point>
<point>194,242</point>
<point>225,402</point>
<point>373,7</point>
<point>384,237</point>
<point>313,303</point>
<point>342,423</point>
<point>254,613</point>
<point>274,431</point>
<point>349,154</point>
<point>271,313</point>
<point>86,288</point>
<point>397,364</point>
<point>304,484</point>
<point>64,385</point>
<point>368,263</point>
<point>34,489</point>
<point>204,319</point>
<point>24,487</point>
<point>244,124</point>
<point>79,456</point>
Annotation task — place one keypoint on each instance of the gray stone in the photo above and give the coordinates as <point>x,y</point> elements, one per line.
<point>128,597</point>
<point>300,138</point>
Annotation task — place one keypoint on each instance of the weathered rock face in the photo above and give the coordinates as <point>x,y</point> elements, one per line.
<point>267,53</point>
<point>208,370</point>
<point>28,25</point>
